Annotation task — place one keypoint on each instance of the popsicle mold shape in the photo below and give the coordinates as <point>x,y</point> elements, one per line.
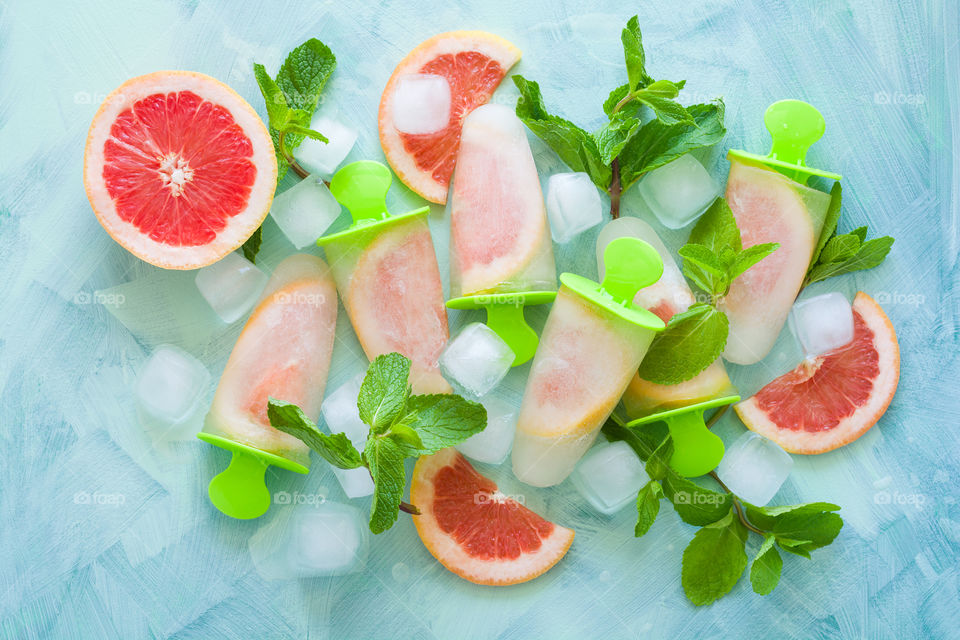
<point>696,450</point>
<point>386,271</point>
<point>593,342</point>
<point>794,126</point>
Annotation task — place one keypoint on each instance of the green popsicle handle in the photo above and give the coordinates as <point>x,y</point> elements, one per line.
<point>794,126</point>
<point>507,321</point>
<point>631,264</point>
<point>362,188</point>
<point>696,450</point>
<point>240,491</point>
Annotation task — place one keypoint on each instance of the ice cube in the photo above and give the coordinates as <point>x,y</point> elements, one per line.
<point>679,192</point>
<point>323,158</point>
<point>492,445</point>
<point>573,205</point>
<point>477,359</point>
<point>822,323</point>
<point>231,286</point>
<point>171,388</point>
<point>754,468</point>
<point>609,476</point>
<point>341,414</point>
<point>421,103</point>
<point>304,211</point>
<point>356,483</point>
<point>308,541</point>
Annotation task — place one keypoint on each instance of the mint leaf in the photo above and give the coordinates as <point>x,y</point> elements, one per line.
<point>702,265</point>
<point>667,111</point>
<point>829,222</point>
<point>766,567</point>
<point>444,420</point>
<point>384,391</point>
<point>806,527</point>
<point>251,246</point>
<point>648,506</point>
<point>717,228</point>
<point>306,132</point>
<point>575,146</point>
<point>277,107</point>
<point>335,449</point>
<point>404,433</point>
<point>692,340</point>
<point>694,504</point>
<point>657,143</point>
<point>840,248</point>
<point>614,99</point>
<point>304,74</point>
<point>749,257</point>
<point>615,135</point>
<point>658,462</point>
<point>633,55</point>
<point>871,254</point>
<point>713,561</point>
<point>384,456</point>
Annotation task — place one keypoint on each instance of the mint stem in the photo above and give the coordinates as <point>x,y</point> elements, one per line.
<point>737,506</point>
<point>289,158</point>
<point>615,189</point>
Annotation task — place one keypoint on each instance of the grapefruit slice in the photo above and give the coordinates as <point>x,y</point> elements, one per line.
<point>833,399</point>
<point>477,532</point>
<point>474,63</point>
<point>395,301</point>
<point>178,168</point>
<point>500,240</point>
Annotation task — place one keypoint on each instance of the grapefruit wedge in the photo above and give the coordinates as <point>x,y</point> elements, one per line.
<point>178,168</point>
<point>474,63</point>
<point>477,532</point>
<point>833,399</point>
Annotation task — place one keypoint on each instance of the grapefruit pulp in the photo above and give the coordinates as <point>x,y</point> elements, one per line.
<point>178,168</point>
<point>477,532</point>
<point>474,63</point>
<point>832,399</point>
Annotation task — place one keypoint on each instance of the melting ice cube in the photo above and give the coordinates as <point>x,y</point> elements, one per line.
<point>679,192</point>
<point>610,476</point>
<point>304,211</point>
<point>170,389</point>
<point>754,468</point>
<point>573,205</point>
<point>231,286</point>
<point>421,103</point>
<point>477,359</point>
<point>323,158</point>
<point>822,323</point>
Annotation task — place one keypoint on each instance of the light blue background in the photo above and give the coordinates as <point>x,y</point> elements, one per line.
<point>161,562</point>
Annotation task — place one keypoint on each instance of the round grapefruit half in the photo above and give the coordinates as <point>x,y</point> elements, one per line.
<point>474,63</point>
<point>477,532</point>
<point>833,399</point>
<point>178,168</point>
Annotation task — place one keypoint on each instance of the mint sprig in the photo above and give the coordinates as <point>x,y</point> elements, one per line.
<point>401,426</point>
<point>647,127</point>
<point>716,557</point>
<point>692,340</point>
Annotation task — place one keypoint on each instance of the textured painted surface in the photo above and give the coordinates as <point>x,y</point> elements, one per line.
<point>147,556</point>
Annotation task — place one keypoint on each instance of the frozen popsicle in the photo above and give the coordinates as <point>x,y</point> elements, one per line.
<point>387,274</point>
<point>669,295</point>
<point>283,352</point>
<point>771,202</point>
<point>593,342</point>
<point>501,255</point>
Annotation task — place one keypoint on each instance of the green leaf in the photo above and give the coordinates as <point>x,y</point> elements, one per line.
<point>860,232</point>
<point>576,147</point>
<point>658,462</point>
<point>871,254</point>
<point>306,132</point>
<point>644,440</point>
<point>304,74</point>
<point>717,228</point>
<point>648,506</point>
<point>385,457</point>
<point>749,257</point>
<point>615,135</point>
<point>614,99</point>
<point>668,112</point>
<point>840,248</point>
<point>252,245</point>
<point>384,391</point>
<point>405,434</point>
<point>766,567</point>
<point>658,143</point>
<point>796,547</point>
<point>713,561</point>
<point>704,258</point>
<point>829,221</point>
<point>444,420</point>
<point>277,107</point>
<point>805,526</point>
<point>633,55</point>
<point>335,449</point>
<point>692,340</point>
<point>695,504</point>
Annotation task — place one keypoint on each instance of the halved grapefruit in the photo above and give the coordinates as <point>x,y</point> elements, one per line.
<point>474,63</point>
<point>178,168</point>
<point>477,532</point>
<point>833,399</point>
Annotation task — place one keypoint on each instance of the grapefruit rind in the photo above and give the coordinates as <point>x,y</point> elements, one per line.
<point>855,425</point>
<point>421,181</point>
<point>239,228</point>
<point>452,556</point>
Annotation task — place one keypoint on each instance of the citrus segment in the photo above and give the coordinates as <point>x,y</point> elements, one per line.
<point>832,399</point>
<point>477,532</point>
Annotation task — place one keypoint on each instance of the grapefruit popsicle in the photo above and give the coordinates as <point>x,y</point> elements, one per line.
<point>386,271</point>
<point>501,255</point>
<point>283,352</point>
<point>592,345</point>
<point>771,203</point>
